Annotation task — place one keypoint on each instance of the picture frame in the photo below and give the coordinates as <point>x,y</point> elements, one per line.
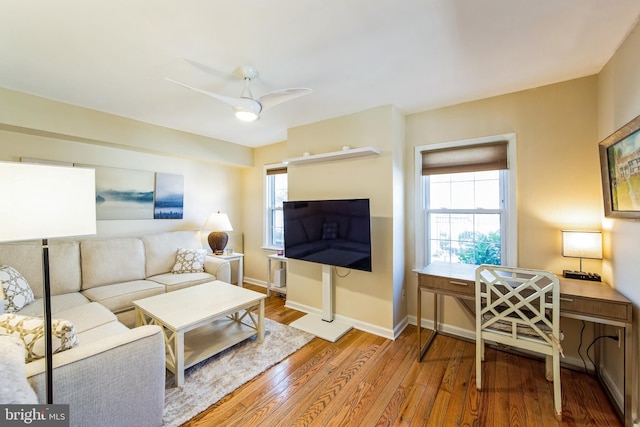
<point>620,170</point>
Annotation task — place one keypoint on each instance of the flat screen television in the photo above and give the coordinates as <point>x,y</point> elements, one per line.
<point>330,232</point>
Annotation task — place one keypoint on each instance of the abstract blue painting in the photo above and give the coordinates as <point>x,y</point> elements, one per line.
<point>123,193</point>
<point>169,202</point>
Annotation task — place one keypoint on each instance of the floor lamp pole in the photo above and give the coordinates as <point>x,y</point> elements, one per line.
<point>48,323</point>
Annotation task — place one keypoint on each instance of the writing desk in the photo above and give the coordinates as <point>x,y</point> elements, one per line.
<point>579,299</point>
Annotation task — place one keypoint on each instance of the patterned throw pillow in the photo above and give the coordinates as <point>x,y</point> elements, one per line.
<point>189,261</point>
<point>31,331</point>
<point>16,289</point>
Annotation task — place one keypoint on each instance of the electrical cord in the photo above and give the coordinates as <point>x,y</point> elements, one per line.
<point>580,347</point>
<point>339,275</point>
<point>595,368</point>
<point>613,337</point>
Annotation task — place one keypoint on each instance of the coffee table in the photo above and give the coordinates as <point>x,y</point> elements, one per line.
<point>202,320</point>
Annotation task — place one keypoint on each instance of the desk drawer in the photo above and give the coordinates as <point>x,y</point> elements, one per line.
<point>595,308</point>
<point>448,285</point>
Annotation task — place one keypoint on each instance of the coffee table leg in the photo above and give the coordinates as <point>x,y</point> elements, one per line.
<point>261,321</point>
<point>179,355</point>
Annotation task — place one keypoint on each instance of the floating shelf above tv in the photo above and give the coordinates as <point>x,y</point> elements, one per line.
<point>334,155</point>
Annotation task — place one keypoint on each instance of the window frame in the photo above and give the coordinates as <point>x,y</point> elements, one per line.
<point>508,179</point>
<point>268,209</point>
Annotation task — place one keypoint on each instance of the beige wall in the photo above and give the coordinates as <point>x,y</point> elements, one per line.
<point>253,196</point>
<point>43,129</point>
<point>558,175</point>
<point>366,298</point>
<point>619,103</point>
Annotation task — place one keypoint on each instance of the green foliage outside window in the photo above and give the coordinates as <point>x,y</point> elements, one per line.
<point>484,249</point>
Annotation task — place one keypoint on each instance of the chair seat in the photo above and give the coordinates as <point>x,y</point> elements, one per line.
<point>507,327</point>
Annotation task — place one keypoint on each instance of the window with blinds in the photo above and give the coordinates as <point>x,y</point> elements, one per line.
<point>464,203</point>
<point>276,193</point>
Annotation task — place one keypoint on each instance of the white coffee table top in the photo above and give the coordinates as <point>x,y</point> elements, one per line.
<point>177,311</point>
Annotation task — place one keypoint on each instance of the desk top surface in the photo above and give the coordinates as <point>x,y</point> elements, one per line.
<point>568,287</point>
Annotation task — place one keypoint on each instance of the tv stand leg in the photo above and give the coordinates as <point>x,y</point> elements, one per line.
<point>327,294</point>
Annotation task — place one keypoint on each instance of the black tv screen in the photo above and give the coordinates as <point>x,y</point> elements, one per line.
<point>330,232</point>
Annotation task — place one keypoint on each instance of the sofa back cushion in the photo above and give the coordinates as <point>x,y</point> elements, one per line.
<point>111,261</point>
<point>64,264</point>
<point>161,249</point>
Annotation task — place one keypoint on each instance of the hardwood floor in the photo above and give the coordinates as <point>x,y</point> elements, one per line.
<point>366,380</point>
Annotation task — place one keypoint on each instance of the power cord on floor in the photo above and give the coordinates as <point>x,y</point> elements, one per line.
<point>595,367</point>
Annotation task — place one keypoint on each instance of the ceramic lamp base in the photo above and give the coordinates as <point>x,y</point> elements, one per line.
<point>217,241</point>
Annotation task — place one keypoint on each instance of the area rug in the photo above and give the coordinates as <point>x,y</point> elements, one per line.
<point>211,380</point>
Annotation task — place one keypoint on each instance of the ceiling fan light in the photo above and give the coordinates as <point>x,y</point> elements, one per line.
<point>246,116</point>
<point>248,112</point>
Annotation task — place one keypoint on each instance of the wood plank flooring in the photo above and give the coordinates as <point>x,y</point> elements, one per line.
<point>366,380</point>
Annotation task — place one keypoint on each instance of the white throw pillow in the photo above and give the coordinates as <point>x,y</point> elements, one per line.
<point>189,261</point>
<point>31,331</point>
<point>16,289</point>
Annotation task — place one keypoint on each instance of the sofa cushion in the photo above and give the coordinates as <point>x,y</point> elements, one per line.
<point>120,296</point>
<point>101,332</point>
<point>160,249</point>
<point>17,291</point>
<point>109,261</point>
<point>58,303</point>
<point>189,261</point>
<point>64,264</point>
<point>31,330</point>
<point>88,316</point>
<point>14,387</point>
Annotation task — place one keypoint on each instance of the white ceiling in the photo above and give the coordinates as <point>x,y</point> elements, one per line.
<point>114,55</point>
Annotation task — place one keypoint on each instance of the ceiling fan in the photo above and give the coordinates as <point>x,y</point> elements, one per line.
<point>246,107</point>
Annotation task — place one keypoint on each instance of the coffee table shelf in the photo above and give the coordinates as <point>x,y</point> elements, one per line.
<point>207,340</point>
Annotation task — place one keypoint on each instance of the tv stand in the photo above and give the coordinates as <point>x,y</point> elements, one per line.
<point>324,326</point>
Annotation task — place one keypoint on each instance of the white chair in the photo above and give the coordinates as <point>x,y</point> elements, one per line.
<point>520,308</point>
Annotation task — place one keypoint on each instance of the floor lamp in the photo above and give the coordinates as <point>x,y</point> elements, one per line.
<point>42,202</point>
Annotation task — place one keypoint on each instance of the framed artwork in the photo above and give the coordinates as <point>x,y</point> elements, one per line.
<point>123,193</point>
<point>169,201</point>
<point>620,168</point>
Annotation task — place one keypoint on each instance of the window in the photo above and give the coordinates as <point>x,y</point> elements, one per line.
<point>276,193</point>
<point>467,212</point>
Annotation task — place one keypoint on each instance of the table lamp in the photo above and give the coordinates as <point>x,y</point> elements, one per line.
<point>581,244</point>
<point>219,224</point>
<point>42,202</point>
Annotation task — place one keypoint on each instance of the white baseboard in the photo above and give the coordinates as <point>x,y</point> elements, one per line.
<point>362,326</point>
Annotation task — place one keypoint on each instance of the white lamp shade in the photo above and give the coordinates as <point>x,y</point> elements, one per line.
<point>582,244</point>
<point>43,201</point>
<point>218,222</point>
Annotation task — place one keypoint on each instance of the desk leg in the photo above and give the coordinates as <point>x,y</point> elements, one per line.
<point>423,349</point>
<point>628,375</point>
<point>268,277</point>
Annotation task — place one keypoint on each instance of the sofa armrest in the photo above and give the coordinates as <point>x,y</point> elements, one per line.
<point>221,268</point>
<point>116,381</point>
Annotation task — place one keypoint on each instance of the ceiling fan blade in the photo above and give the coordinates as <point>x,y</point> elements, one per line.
<point>238,103</point>
<point>276,97</point>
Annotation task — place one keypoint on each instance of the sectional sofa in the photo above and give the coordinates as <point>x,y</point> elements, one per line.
<point>116,373</point>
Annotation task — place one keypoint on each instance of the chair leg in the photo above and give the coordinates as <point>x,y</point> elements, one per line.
<point>548,368</point>
<point>479,359</point>
<point>557,390</point>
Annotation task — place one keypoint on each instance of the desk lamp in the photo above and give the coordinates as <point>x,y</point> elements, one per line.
<point>219,224</point>
<point>581,244</point>
<point>42,202</point>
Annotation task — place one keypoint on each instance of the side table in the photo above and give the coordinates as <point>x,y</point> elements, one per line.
<point>282,263</point>
<point>235,256</point>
